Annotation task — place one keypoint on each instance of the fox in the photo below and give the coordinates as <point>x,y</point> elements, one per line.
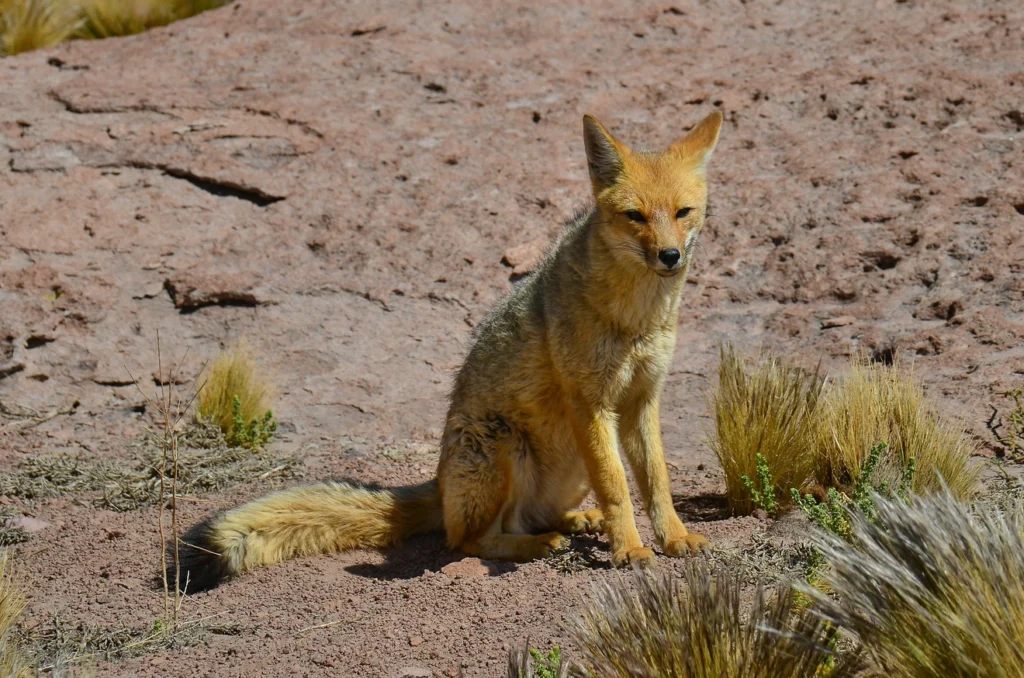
<point>562,379</point>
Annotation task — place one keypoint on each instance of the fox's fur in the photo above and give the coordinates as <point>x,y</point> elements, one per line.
<point>564,371</point>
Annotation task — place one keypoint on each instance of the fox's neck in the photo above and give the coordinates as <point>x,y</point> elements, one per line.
<point>629,296</point>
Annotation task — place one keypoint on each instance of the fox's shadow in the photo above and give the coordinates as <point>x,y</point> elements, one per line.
<point>702,508</point>
<point>427,553</point>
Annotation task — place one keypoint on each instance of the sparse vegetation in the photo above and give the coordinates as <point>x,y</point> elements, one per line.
<point>931,589</point>
<point>10,534</point>
<point>58,643</point>
<point>660,627</point>
<point>206,463</point>
<point>236,396</point>
<point>33,24</point>
<point>771,411</point>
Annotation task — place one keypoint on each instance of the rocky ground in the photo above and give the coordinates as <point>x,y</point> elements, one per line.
<point>349,190</point>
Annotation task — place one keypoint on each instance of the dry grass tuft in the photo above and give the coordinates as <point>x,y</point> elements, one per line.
<point>12,663</point>
<point>234,375</point>
<point>112,18</point>
<point>805,429</point>
<point>878,403</point>
<point>26,25</point>
<point>769,409</point>
<point>32,24</point>
<point>659,628</point>
<point>931,589</point>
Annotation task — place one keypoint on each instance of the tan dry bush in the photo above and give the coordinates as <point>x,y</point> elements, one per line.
<point>12,663</point>
<point>234,373</point>
<point>33,24</point>
<point>696,627</point>
<point>769,409</point>
<point>931,589</point>
<point>112,18</point>
<point>877,403</point>
<point>26,25</point>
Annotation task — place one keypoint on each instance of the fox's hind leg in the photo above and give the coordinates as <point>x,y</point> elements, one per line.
<point>520,548</point>
<point>478,491</point>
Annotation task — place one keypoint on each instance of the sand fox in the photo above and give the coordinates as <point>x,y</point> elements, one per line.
<point>564,370</point>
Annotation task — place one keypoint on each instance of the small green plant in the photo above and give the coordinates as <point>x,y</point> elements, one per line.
<point>833,514</point>
<point>764,498</point>
<point>546,666</point>
<point>528,662</point>
<point>829,515</point>
<point>253,435</point>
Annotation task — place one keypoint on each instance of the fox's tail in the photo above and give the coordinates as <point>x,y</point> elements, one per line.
<point>304,521</point>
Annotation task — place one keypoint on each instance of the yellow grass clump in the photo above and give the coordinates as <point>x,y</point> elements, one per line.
<point>12,664</point>
<point>32,24</point>
<point>877,403</point>
<point>233,375</point>
<point>26,25</point>
<point>769,409</point>
<point>698,626</point>
<point>808,431</point>
<point>930,589</point>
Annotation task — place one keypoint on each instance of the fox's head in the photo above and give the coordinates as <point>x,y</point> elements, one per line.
<point>651,205</point>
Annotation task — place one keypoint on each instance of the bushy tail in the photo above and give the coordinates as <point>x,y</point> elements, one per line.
<point>304,521</point>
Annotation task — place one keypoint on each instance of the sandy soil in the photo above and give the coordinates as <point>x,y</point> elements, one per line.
<point>341,187</point>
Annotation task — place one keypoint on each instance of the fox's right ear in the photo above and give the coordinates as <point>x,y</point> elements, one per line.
<point>604,153</point>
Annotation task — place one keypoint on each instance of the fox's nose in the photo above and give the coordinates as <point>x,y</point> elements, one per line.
<point>669,257</point>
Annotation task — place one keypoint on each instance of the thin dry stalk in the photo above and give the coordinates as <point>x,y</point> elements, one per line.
<point>172,411</point>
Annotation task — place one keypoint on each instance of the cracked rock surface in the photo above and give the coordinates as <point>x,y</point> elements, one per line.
<point>349,190</point>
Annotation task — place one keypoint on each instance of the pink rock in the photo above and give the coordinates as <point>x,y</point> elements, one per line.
<point>839,321</point>
<point>468,568</point>
<point>522,258</point>
<point>27,523</point>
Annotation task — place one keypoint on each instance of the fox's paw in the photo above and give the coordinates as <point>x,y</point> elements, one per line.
<point>641,556</point>
<point>550,542</point>
<point>685,546</point>
<point>584,522</point>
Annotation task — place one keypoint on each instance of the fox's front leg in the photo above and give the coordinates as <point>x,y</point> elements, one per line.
<point>594,430</point>
<point>640,431</point>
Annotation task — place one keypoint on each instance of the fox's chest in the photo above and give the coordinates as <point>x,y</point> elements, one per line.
<point>627,366</point>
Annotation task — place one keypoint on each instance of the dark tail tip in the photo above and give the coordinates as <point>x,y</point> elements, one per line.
<point>202,566</point>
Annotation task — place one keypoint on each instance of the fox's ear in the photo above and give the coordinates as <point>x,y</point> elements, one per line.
<point>700,141</point>
<point>604,153</point>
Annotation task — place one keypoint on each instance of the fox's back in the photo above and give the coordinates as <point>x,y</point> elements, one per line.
<point>509,366</point>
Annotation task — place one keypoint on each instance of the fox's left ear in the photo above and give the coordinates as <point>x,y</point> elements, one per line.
<point>699,142</point>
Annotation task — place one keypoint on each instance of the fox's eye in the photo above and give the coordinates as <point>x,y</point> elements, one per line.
<point>634,215</point>
<point>683,212</point>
